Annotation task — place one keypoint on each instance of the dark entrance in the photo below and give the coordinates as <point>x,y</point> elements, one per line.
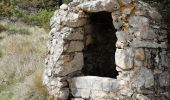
<point>99,56</point>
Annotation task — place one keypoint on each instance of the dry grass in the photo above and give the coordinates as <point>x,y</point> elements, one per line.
<point>22,54</point>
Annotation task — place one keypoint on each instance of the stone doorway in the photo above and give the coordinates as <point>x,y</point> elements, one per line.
<point>83,30</point>
<point>99,54</point>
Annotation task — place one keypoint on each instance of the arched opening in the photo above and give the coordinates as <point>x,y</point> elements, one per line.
<point>99,55</point>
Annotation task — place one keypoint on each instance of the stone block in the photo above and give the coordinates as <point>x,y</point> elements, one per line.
<point>79,92</point>
<point>94,83</point>
<point>68,64</point>
<point>74,46</point>
<point>99,5</point>
<point>139,22</point>
<point>124,58</point>
<point>76,34</point>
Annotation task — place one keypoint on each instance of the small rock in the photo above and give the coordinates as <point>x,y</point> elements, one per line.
<point>64,7</point>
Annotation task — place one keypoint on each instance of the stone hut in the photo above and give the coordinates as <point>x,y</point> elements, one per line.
<point>107,50</point>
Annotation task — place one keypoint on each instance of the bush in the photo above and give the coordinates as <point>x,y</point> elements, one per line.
<point>42,18</point>
<point>2,28</point>
<point>5,10</point>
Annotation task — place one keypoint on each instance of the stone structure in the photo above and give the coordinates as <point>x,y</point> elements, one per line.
<point>137,55</point>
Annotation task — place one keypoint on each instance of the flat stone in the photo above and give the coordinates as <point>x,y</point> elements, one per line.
<point>67,65</point>
<point>146,34</point>
<point>79,92</point>
<point>69,18</point>
<point>99,5</point>
<point>94,83</point>
<point>139,22</point>
<point>147,44</point>
<point>74,46</point>
<point>76,34</point>
<point>124,58</point>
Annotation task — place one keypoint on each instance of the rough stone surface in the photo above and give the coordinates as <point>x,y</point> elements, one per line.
<point>92,86</point>
<point>124,58</point>
<point>142,77</point>
<point>164,79</point>
<point>99,5</point>
<point>142,56</point>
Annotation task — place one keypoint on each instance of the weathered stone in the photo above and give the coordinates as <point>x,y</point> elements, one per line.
<point>99,5</point>
<point>69,18</point>
<point>64,7</point>
<point>139,54</point>
<point>140,58</point>
<point>67,65</point>
<point>102,95</point>
<point>118,24</point>
<point>74,46</point>
<point>82,1</point>
<point>93,87</point>
<point>94,83</point>
<point>57,82</point>
<point>147,44</point>
<point>164,79</point>
<point>77,99</point>
<point>165,61</point>
<point>146,34</point>
<point>139,22</point>
<point>154,14</point>
<point>123,38</point>
<point>63,94</point>
<point>124,58</point>
<point>142,77</point>
<point>125,2</point>
<point>127,11</point>
<point>141,97</point>
<point>79,92</point>
<point>76,34</point>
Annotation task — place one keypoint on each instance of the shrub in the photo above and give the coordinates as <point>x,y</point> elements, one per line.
<point>2,28</point>
<point>38,87</point>
<point>5,10</point>
<point>41,18</point>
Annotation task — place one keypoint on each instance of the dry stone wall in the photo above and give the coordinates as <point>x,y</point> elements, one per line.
<point>141,56</point>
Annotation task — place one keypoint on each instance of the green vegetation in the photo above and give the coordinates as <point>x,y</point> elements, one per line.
<point>41,18</point>
<point>33,12</point>
<point>22,54</point>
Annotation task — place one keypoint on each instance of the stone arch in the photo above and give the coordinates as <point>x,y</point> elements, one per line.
<point>140,57</point>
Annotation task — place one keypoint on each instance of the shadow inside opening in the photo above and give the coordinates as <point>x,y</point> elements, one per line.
<point>99,55</point>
